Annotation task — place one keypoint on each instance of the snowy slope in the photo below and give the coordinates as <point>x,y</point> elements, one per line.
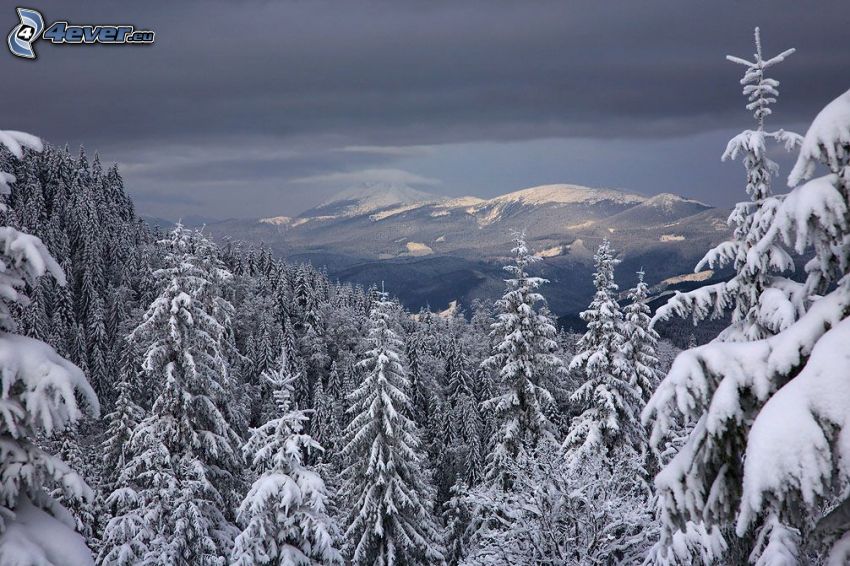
<point>368,198</point>
<point>391,199</point>
<point>378,221</point>
<point>565,194</point>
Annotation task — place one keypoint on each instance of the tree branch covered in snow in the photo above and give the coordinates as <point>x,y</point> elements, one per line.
<point>769,442</point>
<point>754,270</point>
<point>40,392</point>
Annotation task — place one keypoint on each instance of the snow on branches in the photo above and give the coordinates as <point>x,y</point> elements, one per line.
<point>771,440</point>
<point>283,514</point>
<point>751,220</point>
<point>390,518</point>
<point>40,392</point>
<point>523,351</point>
<point>610,396</point>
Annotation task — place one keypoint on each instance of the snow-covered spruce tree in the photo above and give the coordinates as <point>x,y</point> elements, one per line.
<point>769,445</point>
<point>335,396</point>
<point>83,511</point>
<point>560,514</point>
<point>390,517</point>
<point>641,341</point>
<point>212,298</point>
<point>524,350</point>
<point>324,427</point>
<point>33,320</point>
<point>40,392</point>
<point>420,393</point>
<point>462,421</point>
<point>754,271</point>
<point>121,422</point>
<point>283,515</point>
<point>172,509</point>
<point>609,398</point>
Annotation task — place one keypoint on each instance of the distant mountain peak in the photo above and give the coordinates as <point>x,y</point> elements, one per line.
<point>369,197</point>
<point>567,194</point>
<point>666,200</point>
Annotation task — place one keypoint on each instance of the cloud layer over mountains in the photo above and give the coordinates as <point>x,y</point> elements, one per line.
<point>241,107</point>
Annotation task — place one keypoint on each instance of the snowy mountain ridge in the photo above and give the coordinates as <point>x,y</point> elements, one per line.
<point>566,194</point>
<point>433,250</point>
<point>382,200</point>
<point>370,197</point>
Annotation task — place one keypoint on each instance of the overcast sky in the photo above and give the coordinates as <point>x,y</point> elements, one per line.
<point>250,108</point>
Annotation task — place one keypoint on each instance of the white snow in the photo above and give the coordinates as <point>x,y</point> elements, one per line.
<point>15,142</point>
<point>494,214</point>
<point>826,140</point>
<point>550,252</point>
<point>808,208</point>
<point>48,384</point>
<point>789,444</point>
<point>671,238</point>
<point>418,249</point>
<point>667,201</point>
<point>393,211</point>
<point>370,197</point>
<point>450,311</point>
<point>446,207</point>
<point>35,538</point>
<point>565,194</point>
<point>744,366</point>
<point>461,202</point>
<point>491,211</point>
<point>277,220</point>
<point>698,276</point>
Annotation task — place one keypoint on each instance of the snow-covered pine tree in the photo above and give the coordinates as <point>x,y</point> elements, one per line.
<point>524,346</point>
<point>462,422</point>
<point>212,298</point>
<point>771,415</point>
<point>336,394</point>
<point>609,397</point>
<point>641,341</point>
<point>324,427</point>
<point>457,517</point>
<point>77,347</point>
<point>754,271</point>
<point>97,349</point>
<point>172,509</point>
<point>83,511</point>
<point>283,515</point>
<point>33,321</point>
<point>40,394</point>
<point>121,422</point>
<point>390,516</point>
<point>62,317</point>
<point>420,396</point>
<point>560,514</point>
<point>461,462</point>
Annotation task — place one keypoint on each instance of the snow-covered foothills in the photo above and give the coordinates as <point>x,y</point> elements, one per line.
<point>171,401</point>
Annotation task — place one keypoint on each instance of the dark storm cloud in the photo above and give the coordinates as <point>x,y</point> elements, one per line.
<point>284,85</point>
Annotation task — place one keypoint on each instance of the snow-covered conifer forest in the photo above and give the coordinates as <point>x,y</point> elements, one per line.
<point>172,400</point>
